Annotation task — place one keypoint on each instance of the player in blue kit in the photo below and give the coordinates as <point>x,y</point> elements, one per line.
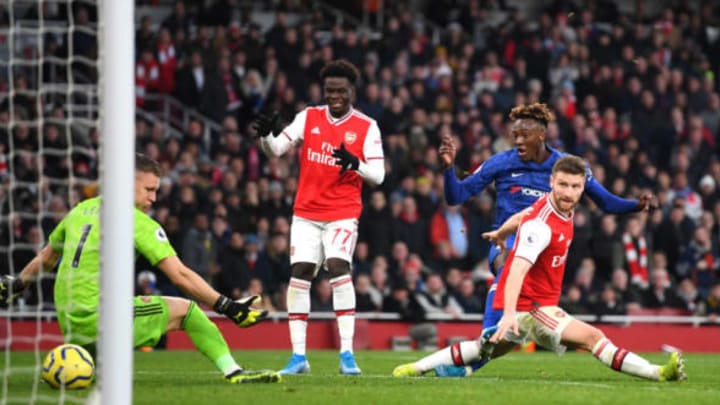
<point>521,176</point>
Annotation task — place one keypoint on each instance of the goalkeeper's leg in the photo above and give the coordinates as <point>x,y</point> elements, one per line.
<point>209,341</point>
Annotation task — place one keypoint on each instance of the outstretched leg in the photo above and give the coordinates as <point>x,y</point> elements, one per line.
<point>185,314</point>
<point>583,335</point>
<point>458,355</point>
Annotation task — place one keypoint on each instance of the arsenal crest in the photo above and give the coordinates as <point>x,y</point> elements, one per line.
<point>350,137</point>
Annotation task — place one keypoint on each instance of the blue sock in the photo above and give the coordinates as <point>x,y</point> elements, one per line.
<point>490,318</point>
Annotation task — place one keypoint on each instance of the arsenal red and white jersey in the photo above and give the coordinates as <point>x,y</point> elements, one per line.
<point>543,239</point>
<point>323,194</point>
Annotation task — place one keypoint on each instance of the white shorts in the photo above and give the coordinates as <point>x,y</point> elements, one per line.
<point>543,326</point>
<point>316,241</point>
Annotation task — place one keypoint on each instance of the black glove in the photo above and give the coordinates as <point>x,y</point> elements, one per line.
<point>266,124</point>
<point>345,159</point>
<point>239,311</point>
<point>10,288</point>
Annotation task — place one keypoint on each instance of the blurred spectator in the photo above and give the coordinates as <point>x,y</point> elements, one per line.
<point>363,296</point>
<point>435,299</point>
<point>573,301</point>
<point>255,287</point>
<point>410,227</point>
<point>404,302</point>
<point>467,298</point>
<point>448,226</point>
<point>688,294</point>
<point>609,303</point>
<point>636,253</point>
<point>699,262</point>
<point>660,293</point>
<point>199,248</point>
<point>321,295</point>
<point>235,271</point>
<point>671,234</point>
<point>629,295</point>
<point>586,281</point>
<point>361,260</point>
<point>146,284</point>
<point>273,263</point>
<point>375,225</point>
<point>711,305</point>
<point>379,286</point>
<point>606,247</point>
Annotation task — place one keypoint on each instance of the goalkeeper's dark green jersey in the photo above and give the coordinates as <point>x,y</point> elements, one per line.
<point>77,237</point>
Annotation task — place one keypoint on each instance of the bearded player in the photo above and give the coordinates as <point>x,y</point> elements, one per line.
<point>328,202</point>
<point>529,290</point>
<point>521,175</point>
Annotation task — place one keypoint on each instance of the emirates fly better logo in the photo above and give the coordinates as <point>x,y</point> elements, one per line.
<point>323,156</point>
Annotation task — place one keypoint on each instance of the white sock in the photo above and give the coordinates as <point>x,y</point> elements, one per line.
<point>457,354</point>
<point>298,303</point>
<point>624,361</point>
<point>227,364</point>
<point>344,306</point>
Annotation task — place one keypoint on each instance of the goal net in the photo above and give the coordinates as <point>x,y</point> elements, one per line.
<point>49,130</point>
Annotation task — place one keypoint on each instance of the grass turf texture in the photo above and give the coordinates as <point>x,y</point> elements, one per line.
<point>180,377</point>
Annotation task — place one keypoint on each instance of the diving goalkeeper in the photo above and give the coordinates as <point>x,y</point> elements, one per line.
<point>76,241</point>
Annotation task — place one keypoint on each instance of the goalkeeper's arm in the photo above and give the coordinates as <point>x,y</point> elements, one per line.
<point>11,287</point>
<point>193,285</point>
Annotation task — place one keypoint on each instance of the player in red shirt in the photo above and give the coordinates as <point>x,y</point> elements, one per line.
<point>529,292</point>
<point>328,202</point>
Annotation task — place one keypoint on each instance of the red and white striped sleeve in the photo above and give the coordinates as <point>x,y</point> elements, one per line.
<point>373,168</point>
<point>533,237</point>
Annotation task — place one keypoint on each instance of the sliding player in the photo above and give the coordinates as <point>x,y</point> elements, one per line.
<point>529,290</point>
<point>521,176</point>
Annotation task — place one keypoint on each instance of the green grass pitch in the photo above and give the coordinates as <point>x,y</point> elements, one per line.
<point>180,377</point>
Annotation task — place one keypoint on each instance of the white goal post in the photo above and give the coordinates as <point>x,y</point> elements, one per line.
<point>46,82</point>
<point>117,100</point>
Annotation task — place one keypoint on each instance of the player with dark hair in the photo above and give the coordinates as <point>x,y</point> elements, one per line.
<point>529,291</point>
<point>328,202</point>
<point>521,176</point>
<point>75,241</point>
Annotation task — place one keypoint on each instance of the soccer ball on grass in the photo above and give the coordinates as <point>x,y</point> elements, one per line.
<point>68,366</point>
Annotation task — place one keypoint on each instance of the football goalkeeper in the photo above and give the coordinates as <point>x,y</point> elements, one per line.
<point>76,240</point>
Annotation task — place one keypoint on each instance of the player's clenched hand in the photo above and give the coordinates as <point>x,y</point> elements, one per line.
<point>10,288</point>
<point>447,151</point>
<point>507,322</point>
<point>265,124</point>
<point>345,159</point>
<point>240,311</point>
<point>647,202</point>
<point>495,238</point>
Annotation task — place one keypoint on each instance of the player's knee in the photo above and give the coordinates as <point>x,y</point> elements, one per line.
<point>177,310</point>
<point>337,267</point>
<point>594,336</point>
<point>304,271</point>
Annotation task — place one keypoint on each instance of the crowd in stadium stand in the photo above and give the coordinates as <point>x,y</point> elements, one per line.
<point>638,99</point>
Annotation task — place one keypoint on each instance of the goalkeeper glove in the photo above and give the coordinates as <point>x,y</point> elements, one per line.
<point>264,125</point>
<point>345,159</point>
<point>239,311</point>
<point>10,288</point>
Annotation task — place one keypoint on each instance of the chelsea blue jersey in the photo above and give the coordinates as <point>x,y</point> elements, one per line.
<point>519,184</point>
